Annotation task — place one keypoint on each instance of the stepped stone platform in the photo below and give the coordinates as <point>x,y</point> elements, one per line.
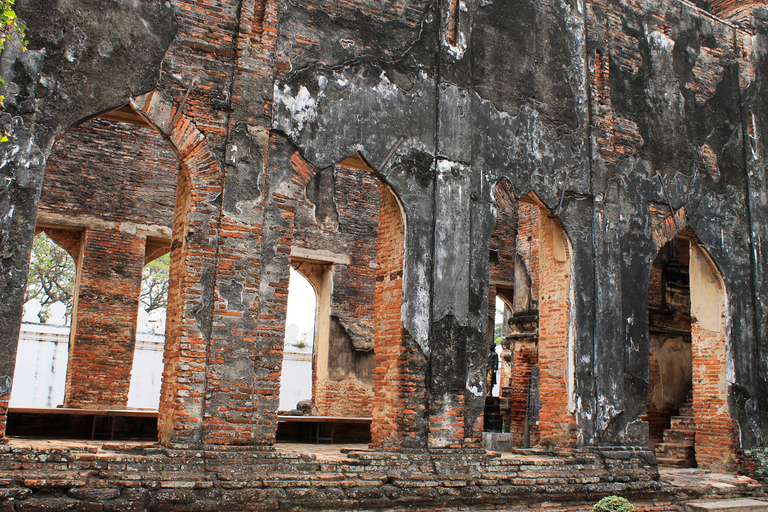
<point>677,448</point>
<point>93,476</point>
<point>742,505</point>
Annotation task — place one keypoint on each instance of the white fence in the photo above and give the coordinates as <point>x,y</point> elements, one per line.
<point>41,368</point>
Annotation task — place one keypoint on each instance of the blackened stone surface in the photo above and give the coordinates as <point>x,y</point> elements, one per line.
<point>83,58</point>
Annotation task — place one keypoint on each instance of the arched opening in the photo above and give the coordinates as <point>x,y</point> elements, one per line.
<point>110,183</point>
<point>670,356</point>
<point>348,240</point>
<point>298,350</point>
<point>687,412</point>
<point>530,272</point>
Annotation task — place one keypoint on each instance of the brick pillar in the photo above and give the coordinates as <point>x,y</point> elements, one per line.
<point>396,385</point>
<point>525,355</point>
<point>715,430</point>
<point>104,320</point>
<point>556,422</point>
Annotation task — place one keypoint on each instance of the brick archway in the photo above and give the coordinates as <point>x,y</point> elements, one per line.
<point>538,283</point>
<point>711,438</point>
<point>393,348</point>
<point>195,228</point>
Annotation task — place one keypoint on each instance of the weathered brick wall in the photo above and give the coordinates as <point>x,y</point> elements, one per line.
<point>104,320</point>
<point>525,355</point>
<point>193,251</point>
<point>503,238</point>
<point>112,179</point>
<point>715,430</point>
<point>251,478</point>
<point>528,244</point>
<point>733,10</point>
<point>111,171</point>
<point>229,297</point>
<point>349,396</point>
<point>557,425</point>
<point>173,356</point>
<point>345,221</point>
<point>398,378</point>
<point>223,53</point>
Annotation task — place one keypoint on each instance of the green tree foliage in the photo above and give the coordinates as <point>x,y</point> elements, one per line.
<point>51,275</point>
<point>154,283</point>
<point>12,30</point>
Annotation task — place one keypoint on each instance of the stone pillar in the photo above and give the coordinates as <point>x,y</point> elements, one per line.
<point>104,320</point>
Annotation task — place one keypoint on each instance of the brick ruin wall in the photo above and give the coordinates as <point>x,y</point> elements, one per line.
<point>227,54</point>
<point>344,219</point>
<point>115,182</point>
<point>262,479</point>
<point>398,406</point>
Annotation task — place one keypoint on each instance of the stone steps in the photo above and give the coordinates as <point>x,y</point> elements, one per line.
<point>740,505</point>
<point>673,462</point>
<point>681,436</point>
<point>681,423</point>
<point>677,448</point>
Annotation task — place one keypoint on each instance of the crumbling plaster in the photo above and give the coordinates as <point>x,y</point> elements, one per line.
<point>480,115</point>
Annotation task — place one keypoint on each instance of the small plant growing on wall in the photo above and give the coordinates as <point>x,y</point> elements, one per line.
<point>613,504</point>
<point>11,31</point>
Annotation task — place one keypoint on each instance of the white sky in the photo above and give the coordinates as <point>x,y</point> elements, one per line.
<point>302,303</point>
<point>499,311</point>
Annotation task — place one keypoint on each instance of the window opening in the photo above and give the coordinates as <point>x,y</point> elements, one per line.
<point>300,324</point>
<point>41,359</point>
<point>147,370</point>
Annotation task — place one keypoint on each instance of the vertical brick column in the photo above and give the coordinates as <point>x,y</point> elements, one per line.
<point>525,355</point>
<point>556,423</point>
<point>104,320</point>
<point>396,386</point>
<point>192,273</point>
<point>715,430</point>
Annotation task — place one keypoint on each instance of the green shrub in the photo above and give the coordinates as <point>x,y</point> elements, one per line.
<point>613,504</point>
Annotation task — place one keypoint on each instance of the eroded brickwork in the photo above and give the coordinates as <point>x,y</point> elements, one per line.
<point>341,215</point>
<point>715,430</point>
<point>556,422</point>
<point>525,355</point>
<point>398,406</point>
<point>104,320</point>
<point>110,171</point>
<point>642,106</point>
<point>115,184</point>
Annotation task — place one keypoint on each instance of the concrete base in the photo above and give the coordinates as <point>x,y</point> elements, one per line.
<point>497,441</point>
